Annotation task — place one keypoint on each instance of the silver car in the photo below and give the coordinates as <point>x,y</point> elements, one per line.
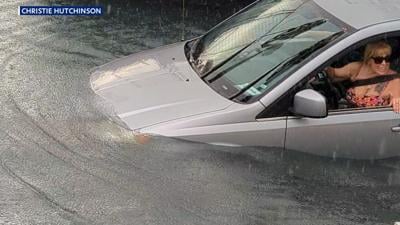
<point>257,79</point>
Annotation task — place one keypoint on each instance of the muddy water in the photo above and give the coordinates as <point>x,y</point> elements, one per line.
<point>63,161</point>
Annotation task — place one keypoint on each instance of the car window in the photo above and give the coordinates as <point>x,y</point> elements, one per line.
<point>368,88</point>
<point>336,92</point>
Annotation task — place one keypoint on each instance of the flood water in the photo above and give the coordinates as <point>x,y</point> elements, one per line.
<point>64,161</point>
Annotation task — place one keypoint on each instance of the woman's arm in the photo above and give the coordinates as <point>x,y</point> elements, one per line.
<point>393,89</point>
<point>346,72</point>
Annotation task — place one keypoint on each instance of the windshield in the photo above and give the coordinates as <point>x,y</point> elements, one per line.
<point>244,56</point>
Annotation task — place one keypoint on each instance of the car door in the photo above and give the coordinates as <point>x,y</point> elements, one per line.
<point>360,133</point>
<point>262,132</point>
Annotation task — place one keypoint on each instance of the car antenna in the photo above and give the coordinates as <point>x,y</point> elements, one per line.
<point>183,20</point>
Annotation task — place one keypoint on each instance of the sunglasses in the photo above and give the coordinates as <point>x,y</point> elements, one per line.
<point>380,59</point>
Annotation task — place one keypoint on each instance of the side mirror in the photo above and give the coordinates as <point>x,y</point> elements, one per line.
<point>310,103</point>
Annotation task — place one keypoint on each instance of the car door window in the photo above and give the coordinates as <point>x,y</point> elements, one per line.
<point>365,87</point>
<point>336,92</point>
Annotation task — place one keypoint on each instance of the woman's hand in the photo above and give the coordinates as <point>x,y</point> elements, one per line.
<point>395,103</point>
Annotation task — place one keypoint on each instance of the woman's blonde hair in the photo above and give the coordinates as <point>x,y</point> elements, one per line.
<point>378,48</point>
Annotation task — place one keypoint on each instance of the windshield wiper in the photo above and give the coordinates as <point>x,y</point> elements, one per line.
<point>293,32</point>
<point>284,34</point>
<point>287,62</point>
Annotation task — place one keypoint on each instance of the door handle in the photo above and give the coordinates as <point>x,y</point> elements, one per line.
<point>396,129</point>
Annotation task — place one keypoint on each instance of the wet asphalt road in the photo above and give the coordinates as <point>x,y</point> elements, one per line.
<point>63,161</point>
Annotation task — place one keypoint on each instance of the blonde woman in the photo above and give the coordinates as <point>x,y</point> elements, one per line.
<point>376,63</point>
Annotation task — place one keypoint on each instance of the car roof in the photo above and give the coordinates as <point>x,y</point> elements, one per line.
<point>362,13</point>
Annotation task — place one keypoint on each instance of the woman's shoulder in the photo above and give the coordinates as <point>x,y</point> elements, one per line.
<point>355,65</point>
<point>355,69</point>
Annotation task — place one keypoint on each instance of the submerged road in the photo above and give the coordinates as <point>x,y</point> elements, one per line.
<point>64,161</point>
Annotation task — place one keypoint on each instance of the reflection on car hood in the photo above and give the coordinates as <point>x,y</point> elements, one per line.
<point>155,86</point>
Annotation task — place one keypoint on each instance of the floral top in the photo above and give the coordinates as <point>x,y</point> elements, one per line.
<point>366,101</point>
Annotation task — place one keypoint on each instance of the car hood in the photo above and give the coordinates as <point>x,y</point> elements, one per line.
<point>155,86</point>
